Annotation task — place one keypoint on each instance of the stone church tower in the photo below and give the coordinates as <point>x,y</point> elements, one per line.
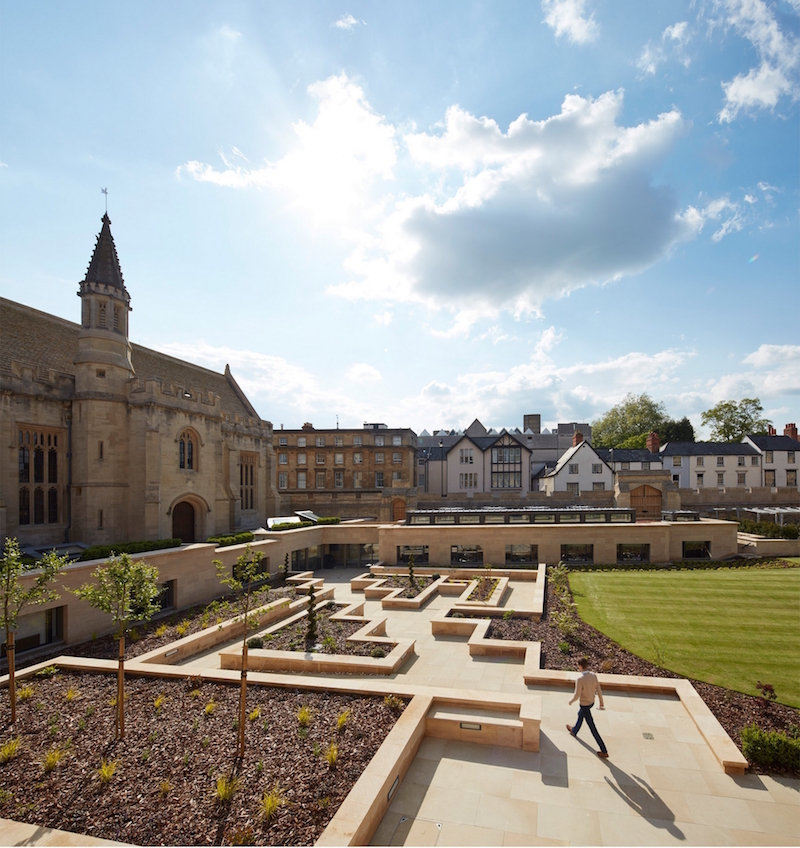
<point>106,441</point>
<point>103,372</point>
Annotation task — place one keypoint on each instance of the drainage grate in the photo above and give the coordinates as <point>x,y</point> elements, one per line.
<point>648,736</point>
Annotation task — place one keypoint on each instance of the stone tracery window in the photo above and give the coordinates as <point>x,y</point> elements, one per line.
<point>188,443</point>
<point>40,505</point>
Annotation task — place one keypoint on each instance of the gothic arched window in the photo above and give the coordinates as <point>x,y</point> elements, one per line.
<point>187,450</point>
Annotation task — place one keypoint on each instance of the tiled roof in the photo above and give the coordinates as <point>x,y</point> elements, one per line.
<point>104,264</point>
<point>707,449</point>
<point>46,342</point>
<point>627,455</point>
<point>773,443</point>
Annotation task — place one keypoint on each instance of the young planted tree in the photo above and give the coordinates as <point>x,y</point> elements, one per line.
<point>411,579</point>
<point>311,621</point>
<point>14,596</point>
<point>246,573</point>
<point>127,590</point>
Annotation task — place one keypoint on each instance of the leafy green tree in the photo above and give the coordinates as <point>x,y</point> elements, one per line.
<point>676,431</point>
<point>127,590</point>
<point>731,421</point>
<point>636,415</point>
<point>247,572</point>
<point>634,442</point>
<point>14,596</point>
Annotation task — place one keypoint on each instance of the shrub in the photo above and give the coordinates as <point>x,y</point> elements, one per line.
<point>24,693</point>
<point>304,716</point>
<point>769,530</point>
<point>164,788</point>
<point>227,787</point>
<point>393,703</point>
<point>71,694</point>
<point>255,642</point>
<point>564,647</point>
<point>271,802</point>
<point>106,551</point>
<point>254,714</point>
<point>106,771</point>
<point>183,628</point>
<point>52,758</point>
<point>770,748</point>
<point>329,519</point>
<point>378,653</point>
<point>158,701</point>
<point>9,750</point>
<point>209,709</point>
<point>332,754</point>
<point>289,525</point>
<point>48,671</point>
<point>508,614</point>
<point>342,719</point>
<point>234,539</point>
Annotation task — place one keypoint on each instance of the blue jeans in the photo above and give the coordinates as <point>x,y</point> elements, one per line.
<point>586,713</point>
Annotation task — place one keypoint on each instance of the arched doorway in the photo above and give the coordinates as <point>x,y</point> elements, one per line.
<point>183,522</point>
<point>646,501</point>
<point>399,511</point>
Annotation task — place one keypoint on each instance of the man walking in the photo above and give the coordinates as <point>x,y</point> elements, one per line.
<point>586,686</point>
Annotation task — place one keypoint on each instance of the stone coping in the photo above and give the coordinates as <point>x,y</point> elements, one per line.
<point>217,634</point>
<point>390,598</point>
<point>372,630</point>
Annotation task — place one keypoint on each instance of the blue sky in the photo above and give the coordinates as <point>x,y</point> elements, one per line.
<point>422,213</point>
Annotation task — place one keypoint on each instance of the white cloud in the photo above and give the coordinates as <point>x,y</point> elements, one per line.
<point>534,213</point>
<point>568,17</point>
<point>673,41</point>
<point>229,34</point>
<point>336,161</point>
<point>384,318</point>
<point>348,22</point>
<point>779,54</point>
<point>361,372</point>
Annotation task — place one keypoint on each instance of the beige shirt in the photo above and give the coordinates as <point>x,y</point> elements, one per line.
<point>586,686</point>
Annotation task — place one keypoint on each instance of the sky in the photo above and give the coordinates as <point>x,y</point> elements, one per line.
<point>421,213</point>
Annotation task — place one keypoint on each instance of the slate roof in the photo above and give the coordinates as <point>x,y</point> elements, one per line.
<point>45,342</point>
<point>707,449</point>
<point>104,264</point>
<point>773,443</point>
<point>627,455</point>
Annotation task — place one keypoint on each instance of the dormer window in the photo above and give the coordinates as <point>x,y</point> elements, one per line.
<point>187,451</point>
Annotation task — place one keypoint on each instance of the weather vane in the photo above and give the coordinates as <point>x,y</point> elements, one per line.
<point>105,192</point>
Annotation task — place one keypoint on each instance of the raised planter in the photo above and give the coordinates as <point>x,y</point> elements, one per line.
<point>373,630</point>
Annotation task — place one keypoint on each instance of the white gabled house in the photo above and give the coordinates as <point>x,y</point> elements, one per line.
<point>580,469</point>
<point>780,456</point>
<point>721,465</point>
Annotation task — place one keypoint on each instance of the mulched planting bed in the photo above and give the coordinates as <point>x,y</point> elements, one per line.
<point>397,581</point>
<point>332,636</point>
<point>159,632</point>
<point>163,789</point>
<point>483,591</point>
<point>733,710</point>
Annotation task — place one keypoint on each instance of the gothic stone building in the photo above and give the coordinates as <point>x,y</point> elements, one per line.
<point>106,441</point>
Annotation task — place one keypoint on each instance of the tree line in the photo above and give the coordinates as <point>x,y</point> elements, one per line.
<point>628,424</point>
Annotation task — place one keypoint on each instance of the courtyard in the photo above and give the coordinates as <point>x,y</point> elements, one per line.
<point>663,783</point>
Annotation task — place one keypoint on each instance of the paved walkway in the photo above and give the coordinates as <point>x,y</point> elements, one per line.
<point>660,786</point>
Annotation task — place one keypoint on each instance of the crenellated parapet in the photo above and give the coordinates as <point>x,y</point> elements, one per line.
<point>29,380</point>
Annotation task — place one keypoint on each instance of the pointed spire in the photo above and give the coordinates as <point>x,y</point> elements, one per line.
<point>104,266</point>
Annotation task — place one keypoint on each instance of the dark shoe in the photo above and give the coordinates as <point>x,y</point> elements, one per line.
<point>603,755</point>
<point>569,728</point>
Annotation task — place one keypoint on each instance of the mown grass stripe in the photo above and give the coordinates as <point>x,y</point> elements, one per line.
<point>732,628</point>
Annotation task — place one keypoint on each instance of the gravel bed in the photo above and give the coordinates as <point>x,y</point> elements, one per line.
<point>163,789</point>
<point>396,581</point>
<point>483,591</point>
<point>332,636</point>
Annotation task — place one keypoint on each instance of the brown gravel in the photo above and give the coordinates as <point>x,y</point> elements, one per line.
<point>483,591</point>
<point>332,636</point>
<point>733,710</point>
<point>178,744</point>
<point>397,581</point>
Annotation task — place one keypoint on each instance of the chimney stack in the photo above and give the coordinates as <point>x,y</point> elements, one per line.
<point>577,438</point>
<point>771,430</point>
<point>790,430</point>
<point>653,442</point>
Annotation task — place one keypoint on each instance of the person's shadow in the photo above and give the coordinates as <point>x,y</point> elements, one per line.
<point>641,797</point>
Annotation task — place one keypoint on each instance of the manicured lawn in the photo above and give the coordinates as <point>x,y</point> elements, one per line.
<point>732,628</point>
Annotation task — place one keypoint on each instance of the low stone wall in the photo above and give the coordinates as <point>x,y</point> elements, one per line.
<point>759,546</point>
